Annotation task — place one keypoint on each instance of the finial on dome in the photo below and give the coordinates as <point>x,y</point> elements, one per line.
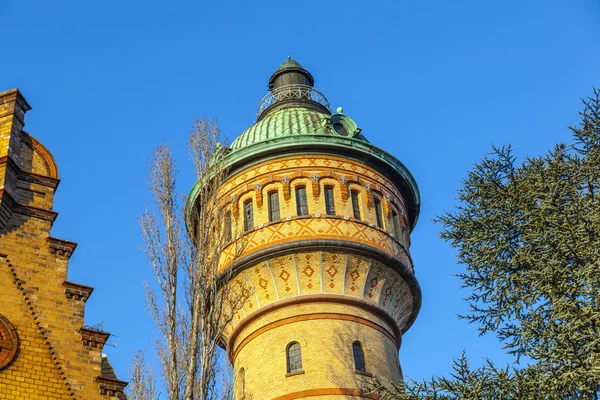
<point>340,110</point>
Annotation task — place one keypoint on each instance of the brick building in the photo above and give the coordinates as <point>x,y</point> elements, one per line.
<point>45,351</point>
<point>325,217</point>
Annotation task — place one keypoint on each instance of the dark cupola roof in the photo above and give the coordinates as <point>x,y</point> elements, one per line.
<point>292,86</point>
<point>290,72</point>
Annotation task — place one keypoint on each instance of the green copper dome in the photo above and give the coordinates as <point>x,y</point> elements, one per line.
<point>289,63</point>
<point>292,121</point>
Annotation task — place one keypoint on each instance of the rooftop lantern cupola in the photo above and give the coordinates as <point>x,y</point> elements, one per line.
<point>292,86</point>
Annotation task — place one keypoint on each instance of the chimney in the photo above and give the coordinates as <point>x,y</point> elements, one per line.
<point>13,107</point>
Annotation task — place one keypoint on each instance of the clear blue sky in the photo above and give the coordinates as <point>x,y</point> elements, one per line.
<point>433,82</point>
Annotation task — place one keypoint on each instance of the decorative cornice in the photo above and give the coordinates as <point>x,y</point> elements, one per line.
<point>353,149</point>
<point>324,392</point>
<point>36,212</point>
<point>61,247</point>
<point>339,245</point>
<point>30,176</point>
<point>111,387</point>
<point>77,291</point>
<point>93,337</point>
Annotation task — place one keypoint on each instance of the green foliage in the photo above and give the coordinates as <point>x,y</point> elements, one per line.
<point>529,236</point>
<point>465,383</point>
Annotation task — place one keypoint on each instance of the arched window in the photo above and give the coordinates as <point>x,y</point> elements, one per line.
<point>248,215</point>
<point>242,382</point>
<point>396,224</point>
<point>294,357</point>
<point>378,213</point>
<point>301,204</point>
<point>355,206</point>
<point>329,202</point>
<point>227,227</point>
<point>274,206</point>
<point>359,357</point>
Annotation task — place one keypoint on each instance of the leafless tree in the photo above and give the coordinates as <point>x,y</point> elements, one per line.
<point>194,300</point>
<point>142,382</point>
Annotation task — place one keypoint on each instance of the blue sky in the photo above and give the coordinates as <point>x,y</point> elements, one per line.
<point>433,82</point>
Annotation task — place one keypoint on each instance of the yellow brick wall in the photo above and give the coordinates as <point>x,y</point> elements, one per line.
<point>341,226</point>
<point>325,300</point>
<point>327,359</point>
<point>331,273</point>
<point>53,362</point>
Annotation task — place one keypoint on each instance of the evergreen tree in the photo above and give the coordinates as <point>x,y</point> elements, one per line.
<point>528,234</point>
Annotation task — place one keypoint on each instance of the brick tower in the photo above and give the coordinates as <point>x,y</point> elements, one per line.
<point>325,217</point>
<point>45,351</point>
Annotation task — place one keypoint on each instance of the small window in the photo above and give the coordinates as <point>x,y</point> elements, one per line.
<point>301,204</point>
<point>396,224</point>
<point>359,357</point>
<point>242,382</point>
<point>227,227</point>
<point>355,206</point>
<point>274,206</point>
<point>248,215</point>
<point>378,213</point>
<point>340,129</point>
<point>329,202</point>
<point>294,357</point>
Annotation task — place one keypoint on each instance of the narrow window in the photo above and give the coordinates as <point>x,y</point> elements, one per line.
<point>301,204</point>
<point>242,382</point>
<point>396,224</point>
<point>355,206</point>
<point>359,357</point>
<point>378,213</point>
<point>294,357</point>
<point>274,206</point>
<point>248,215</point>
<point>227,227</point>
<point>329,204</point>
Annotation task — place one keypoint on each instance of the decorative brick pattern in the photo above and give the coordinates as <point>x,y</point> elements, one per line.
<point>54,359</point>
<point>76,291</point>
<point>341,274</point>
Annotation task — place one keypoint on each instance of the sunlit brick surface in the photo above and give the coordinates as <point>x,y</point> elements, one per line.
<point>53,361</point>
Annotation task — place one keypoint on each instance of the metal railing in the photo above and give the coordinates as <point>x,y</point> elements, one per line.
<point>290,92</point>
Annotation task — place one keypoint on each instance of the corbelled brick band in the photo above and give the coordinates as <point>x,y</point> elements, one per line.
<point>54,357</point>
<point>325,392</point>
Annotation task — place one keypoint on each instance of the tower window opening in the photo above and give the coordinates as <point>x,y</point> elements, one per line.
<point>274,207</point>
<point>248,215</point>
<point>242,382</point>
<point>294,357</point>
<point>396,224</point>
<point>301,204</point>
<point>227,227</point>
<point>355,205</point>
<point>378,213</point>
<point>359,357</point>
<point>329,201</point>
<point>340,129</point>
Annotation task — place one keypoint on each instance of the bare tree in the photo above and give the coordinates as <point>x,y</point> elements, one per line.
<point>142,383</point>
<point>194,300</point>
